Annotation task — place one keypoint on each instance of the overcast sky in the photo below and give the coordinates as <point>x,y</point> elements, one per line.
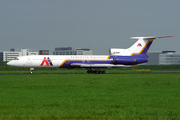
<point>95,24</point>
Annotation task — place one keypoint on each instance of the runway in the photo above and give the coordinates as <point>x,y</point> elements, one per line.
<point>160,72</point>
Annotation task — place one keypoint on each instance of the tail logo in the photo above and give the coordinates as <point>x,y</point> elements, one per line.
<point>139,45</point>
<point>47,62</point>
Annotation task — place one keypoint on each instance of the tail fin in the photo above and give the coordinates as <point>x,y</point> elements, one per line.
<point>143,44</point>
<point>140,47</point>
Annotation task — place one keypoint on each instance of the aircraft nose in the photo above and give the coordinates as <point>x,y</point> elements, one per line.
<point>10,63</point>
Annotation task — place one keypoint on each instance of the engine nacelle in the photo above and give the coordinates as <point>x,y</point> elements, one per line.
<point>124,61</point>
<point>130,61</point>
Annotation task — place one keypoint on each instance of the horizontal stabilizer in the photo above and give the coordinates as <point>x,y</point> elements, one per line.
<point>150,38</point>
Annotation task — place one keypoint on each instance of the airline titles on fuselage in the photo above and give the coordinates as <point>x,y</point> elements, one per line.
<point>88,57</point>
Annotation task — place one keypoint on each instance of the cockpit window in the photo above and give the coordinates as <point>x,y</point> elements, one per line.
<point>16,59</point>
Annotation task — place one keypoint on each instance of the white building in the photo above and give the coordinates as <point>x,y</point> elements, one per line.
<point>163,58</point>
<point>13,53</point>
<point>72,51</point>
<point>170,58</point>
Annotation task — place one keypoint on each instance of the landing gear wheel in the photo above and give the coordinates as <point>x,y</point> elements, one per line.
<point>100,72</point>
<point>89,71</point>
<point>96,72</point>
<point>31,70</point>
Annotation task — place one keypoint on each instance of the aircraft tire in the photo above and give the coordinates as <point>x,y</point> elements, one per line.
<point>100,72</point>
<point>90,71</point>
<point>95,71</point>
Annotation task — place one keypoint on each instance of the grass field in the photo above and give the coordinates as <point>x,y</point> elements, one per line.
<point>134,94</point>
<point>90,96</point>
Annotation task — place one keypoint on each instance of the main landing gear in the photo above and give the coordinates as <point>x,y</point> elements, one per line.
<point>96,71</point>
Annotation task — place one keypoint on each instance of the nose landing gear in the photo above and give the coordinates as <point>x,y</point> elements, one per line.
<point>31,70</point>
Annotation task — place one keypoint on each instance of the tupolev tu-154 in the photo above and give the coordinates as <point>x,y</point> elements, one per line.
<point>136,54</point>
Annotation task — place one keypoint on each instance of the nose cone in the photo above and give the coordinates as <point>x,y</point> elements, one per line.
<point>10,63</point>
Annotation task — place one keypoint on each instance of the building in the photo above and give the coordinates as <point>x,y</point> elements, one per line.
<point>13,53</point>
<point>71,51</point>
<point>153,58</point>
<point>163,58</point>
<point>43,52</point>
<point>169,58</point>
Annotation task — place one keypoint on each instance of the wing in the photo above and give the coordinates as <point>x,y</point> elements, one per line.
<point>97,65</point>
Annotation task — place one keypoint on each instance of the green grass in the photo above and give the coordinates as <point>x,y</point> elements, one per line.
<point>90,96</point>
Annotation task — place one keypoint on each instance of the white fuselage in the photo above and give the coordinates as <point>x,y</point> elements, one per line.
<point>53,61</point>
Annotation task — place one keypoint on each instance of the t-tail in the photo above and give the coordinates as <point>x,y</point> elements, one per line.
<point>140,47</point>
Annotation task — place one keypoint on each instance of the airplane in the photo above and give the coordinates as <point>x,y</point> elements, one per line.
<point>136,54</point>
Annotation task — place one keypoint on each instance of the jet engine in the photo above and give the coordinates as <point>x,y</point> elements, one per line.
<point>129,61</point>
<point>125,61</point>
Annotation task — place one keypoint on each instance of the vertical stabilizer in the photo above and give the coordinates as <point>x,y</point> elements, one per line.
<point>143,44</point>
